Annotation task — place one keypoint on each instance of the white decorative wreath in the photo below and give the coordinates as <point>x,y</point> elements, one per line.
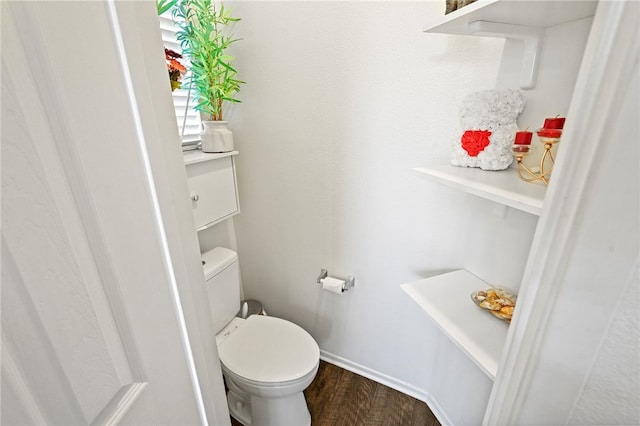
<point>489,123</point>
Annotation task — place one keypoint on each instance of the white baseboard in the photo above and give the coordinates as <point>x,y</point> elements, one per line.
<point>388,381</point>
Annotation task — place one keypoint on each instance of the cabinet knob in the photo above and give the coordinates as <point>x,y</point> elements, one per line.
<point>195,197</point>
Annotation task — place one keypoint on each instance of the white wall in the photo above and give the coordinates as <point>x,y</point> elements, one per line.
<point>342,100</point>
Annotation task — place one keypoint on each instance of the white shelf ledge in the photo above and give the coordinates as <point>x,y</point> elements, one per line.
<point>197,156</point>
<point>447,300</point>
<point>520,20</point>
<point>504,186</point>
<point>526,13</point>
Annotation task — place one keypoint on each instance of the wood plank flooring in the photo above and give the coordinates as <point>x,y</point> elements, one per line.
<point>340,397</point>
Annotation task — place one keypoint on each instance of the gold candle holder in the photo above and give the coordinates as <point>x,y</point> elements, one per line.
<point>548,137</point>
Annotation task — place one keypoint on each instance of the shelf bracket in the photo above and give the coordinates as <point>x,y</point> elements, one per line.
<point>532,38</point>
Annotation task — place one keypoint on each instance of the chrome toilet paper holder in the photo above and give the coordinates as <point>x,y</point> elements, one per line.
<point>350,282</point>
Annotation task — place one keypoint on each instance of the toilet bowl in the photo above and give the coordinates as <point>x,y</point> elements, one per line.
<point>267,362</point>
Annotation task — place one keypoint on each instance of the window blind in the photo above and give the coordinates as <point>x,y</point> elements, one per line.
<point>187,119</point>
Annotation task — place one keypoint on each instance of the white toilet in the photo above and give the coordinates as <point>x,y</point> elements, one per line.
<point>267,362</point>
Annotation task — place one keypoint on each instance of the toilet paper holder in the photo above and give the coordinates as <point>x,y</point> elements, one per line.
<point>350,282</point>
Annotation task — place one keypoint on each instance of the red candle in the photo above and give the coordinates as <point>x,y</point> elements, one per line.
<point>549,133</point>
<point>523,138</point>
<point>554,123</point>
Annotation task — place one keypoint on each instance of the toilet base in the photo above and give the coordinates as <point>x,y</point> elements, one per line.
<point>239,408</point>
<point>291,410</point>
<point>258,411</point>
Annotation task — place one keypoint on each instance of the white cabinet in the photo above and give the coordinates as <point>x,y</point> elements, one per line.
<point>212,184</point>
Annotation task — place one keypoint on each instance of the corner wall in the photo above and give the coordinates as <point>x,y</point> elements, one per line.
<point>343,99</point>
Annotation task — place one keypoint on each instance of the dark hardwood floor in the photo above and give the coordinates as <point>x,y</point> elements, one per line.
<point>340,397</point>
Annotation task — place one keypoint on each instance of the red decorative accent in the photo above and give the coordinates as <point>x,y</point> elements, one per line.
<point>554,123</point>
<point>475,141</point>
<point>523,138</point>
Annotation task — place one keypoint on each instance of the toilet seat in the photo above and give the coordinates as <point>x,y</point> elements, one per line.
<point>269,350</point>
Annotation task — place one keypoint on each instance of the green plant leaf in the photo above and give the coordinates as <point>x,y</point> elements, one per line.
<point>164,5</point>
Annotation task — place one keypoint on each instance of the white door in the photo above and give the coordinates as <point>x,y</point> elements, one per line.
<point>91,327</point>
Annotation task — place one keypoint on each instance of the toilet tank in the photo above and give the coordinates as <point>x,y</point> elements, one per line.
<point>222,281</point>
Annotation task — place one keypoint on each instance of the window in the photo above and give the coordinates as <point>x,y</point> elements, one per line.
<point>188,119</point>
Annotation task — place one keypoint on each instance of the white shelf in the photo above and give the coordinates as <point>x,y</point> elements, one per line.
<point>447,300</point>
<point>504,186</point>
<point>197,156</point>
<point>532,13</point>
<point>519,20</point>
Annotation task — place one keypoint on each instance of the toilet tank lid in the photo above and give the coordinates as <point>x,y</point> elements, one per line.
<point>217,260</point>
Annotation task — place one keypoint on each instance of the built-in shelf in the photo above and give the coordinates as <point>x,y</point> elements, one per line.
<point>548,39</point>
<point>504,186</point>
<point>447,300</point>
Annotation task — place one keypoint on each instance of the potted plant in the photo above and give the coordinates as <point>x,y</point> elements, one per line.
<point>204,35</point>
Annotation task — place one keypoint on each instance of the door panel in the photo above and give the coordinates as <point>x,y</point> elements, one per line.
<point>90,327</point>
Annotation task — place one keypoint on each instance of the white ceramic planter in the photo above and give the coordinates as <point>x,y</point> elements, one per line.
<point>216,137</point>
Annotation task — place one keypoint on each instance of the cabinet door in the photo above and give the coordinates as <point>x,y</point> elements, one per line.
<point>213,191</point>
